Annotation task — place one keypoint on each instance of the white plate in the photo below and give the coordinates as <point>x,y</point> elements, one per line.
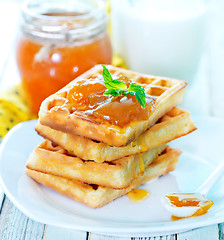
<point>121,216</point>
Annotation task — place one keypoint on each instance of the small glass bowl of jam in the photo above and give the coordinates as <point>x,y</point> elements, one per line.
<point>60,40</point>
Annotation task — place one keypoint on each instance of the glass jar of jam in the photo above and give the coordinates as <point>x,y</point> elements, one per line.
<point>60,40</point>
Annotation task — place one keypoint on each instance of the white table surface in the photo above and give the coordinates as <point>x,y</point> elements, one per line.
<point>204,96</point>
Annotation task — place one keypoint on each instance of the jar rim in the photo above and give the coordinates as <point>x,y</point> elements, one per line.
<point>26,10</point>
<point>88,21</point>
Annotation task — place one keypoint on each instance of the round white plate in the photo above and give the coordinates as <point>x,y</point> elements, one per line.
<point>121,216</point>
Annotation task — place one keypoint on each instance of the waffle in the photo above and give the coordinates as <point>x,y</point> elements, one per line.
<point>58,112</point>
<point>174,124</point>
<point>116,174</point>
<point>97,196</point>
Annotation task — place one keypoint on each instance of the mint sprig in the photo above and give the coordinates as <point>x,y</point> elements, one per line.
<point>117,88</point>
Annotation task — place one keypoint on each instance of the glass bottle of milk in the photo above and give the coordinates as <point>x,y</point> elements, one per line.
<point>161,37</point>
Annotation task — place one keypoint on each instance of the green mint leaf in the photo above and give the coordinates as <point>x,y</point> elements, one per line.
<point>139,93</point>
<point>115,92</point>
<point>111,83</point>
<point>136,88</point>
<point>140,98</point>
<point>128,93</point>
<point>117,88</point>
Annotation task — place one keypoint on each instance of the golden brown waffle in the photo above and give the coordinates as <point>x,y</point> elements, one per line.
<point>57,111</point>
<point>97,196</point>
<point>174,124</point>
<point>115,174</point>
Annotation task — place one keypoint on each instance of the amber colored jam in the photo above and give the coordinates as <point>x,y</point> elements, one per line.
<point>141,164</point>
<point>203,206</point>
<point>87,98</point>
<point>137,195</point>
<point>45,69</point>
<point>201,211</point>
<point>190,202</point>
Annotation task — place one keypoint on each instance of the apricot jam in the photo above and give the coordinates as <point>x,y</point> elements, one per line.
<point>199,206</point>
<point>176,201</point>
<point>201,211</point>
<point>57,47</point>
<point>86,98</point>
<point>137,195</point>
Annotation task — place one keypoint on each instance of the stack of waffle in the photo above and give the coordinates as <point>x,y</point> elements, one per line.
<point>93,161</point>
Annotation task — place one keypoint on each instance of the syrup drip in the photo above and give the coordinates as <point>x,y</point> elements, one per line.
<point>138,195</point>
<point>141,164</point>
<point>133,144</point>
<point>143,146</point>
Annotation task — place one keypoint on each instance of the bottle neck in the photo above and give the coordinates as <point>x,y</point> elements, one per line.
<point>63,22</point>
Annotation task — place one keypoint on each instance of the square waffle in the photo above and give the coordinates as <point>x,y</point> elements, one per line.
<point>97,196</point>
<point>58,111</point>
<point>176,123</point>
<point>115,174</point>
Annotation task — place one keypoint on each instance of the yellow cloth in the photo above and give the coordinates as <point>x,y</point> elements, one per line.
<point>117,61</point>
<point>13,109</point>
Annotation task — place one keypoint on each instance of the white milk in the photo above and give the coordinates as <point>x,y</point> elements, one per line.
<point>162,37</point>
